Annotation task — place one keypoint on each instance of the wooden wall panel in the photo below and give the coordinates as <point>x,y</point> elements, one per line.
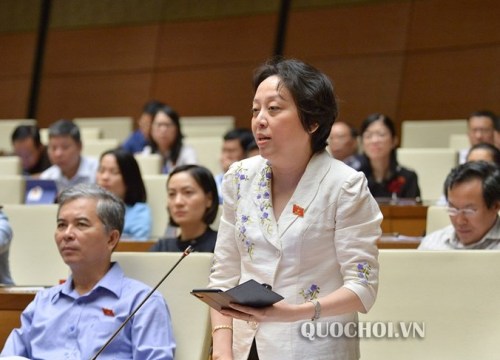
<point>365,85</point>
<point>93,95</point>
<point>446,23</point>
<point>426,59</point>
<point>218,42</point>
<point>14,94</point>
<point>214,91</point>
<point>102,49</point>
<point>17,53</point>
<point>338,31</point>
<point>451,84</point>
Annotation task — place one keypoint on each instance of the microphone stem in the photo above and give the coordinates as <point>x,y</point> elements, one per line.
<point>186,252</point>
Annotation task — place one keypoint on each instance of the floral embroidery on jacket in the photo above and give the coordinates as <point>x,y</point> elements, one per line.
<point>264,198</point>
<point>241,222</point>
<point>239,176</point>
<point>311,293</point>
<point>364,270</point>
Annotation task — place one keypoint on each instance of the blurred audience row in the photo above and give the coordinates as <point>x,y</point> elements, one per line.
<point>377,158</point>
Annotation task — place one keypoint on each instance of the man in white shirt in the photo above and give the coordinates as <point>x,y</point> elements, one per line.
<point>481,128</point>
<point>69,166</point>
<point>473,193</point>
<point>343,144</point>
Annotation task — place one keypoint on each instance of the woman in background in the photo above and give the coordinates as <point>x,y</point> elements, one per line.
<point>192,204</point>
<point>119,173</point>
<point>166,140</point>
<point>386,178</point>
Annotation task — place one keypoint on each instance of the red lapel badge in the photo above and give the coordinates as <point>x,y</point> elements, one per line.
<point>297,210</point>
<point>108,312</point>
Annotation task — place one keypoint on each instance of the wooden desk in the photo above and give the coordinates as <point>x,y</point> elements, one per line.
<point>398,242</point>
<point>409,220</point>
<point>12,304</point>
<point>134,246</point>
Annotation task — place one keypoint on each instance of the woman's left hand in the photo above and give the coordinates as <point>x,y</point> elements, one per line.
<point>279,312</point>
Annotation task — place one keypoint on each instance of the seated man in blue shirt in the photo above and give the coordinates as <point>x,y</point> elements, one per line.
<point>75,319</point>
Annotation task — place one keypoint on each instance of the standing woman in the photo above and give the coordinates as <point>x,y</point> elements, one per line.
<point>386,178</point>
<point>298,220</point>
<point>166,140</point>
<point>119,173</point>
<point>192,206</point>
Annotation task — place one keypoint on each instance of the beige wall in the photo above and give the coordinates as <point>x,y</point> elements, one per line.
<point>420,59</point>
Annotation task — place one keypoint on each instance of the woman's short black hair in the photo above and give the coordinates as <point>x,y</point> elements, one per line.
<point>312,92</point>
<point>135,191</point>
<point>205,180</point>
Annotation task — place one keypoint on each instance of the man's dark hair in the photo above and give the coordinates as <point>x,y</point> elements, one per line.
<point>244,136</point>
<point>65,127</point>
<point>23,132</point>
<point>487,172</point>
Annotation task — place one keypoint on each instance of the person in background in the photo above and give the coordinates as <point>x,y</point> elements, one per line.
<point>192,207</point>
<point>234,148</point>
<point>75,319</point>
<point>484,151</point>
<point>478,152</point>
<point>136,142</point>
<point>296,219</point>
<point>343,144</point>
<point>481,128</point>
<point>119,173</point>
<point>69,166</point>
<point>252,149</point>
<point>28,146</point>
<point>167,140</point>
<point>386,178</point>
<point>473,194</point>
<point>5,239</point>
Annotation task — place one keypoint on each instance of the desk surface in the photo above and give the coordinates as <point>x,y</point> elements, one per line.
<point>409,220</point>
<point>134,246</point>
<point>12,303</point>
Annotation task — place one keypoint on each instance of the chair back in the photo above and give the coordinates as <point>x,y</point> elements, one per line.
<point>34,258</point>
<point>10,165</point>
<point>7,127</point>
<point>430,133</point>
<point>156,189</point>
<point>211,126</point>
<point>208,150</point>
<point>458,141</point>
<point>149,164</point>
<point>432,167</point>
<point>190,317</point>
<point>437,218</point>
<point>12,189</point>
<point>452,296</point>
<point>117,127</point>
<point>94,148</point>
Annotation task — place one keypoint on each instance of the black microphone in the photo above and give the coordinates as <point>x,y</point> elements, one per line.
<point>186,252</point>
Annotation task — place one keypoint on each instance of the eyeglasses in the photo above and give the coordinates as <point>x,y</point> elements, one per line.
<point>163,125</point>
<point>378,135</point>
<point>466,212</point>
